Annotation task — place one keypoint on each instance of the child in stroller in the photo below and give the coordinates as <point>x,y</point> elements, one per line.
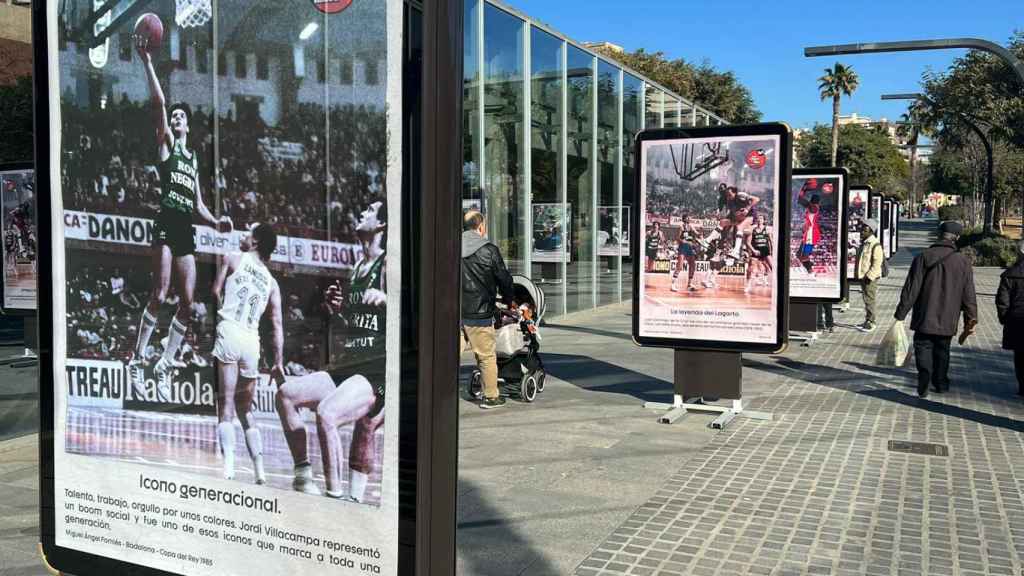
<point>520,368</point>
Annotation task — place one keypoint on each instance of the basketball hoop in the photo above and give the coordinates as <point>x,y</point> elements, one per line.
<point>193,13</point>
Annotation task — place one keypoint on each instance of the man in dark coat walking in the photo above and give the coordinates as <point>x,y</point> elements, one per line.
<point>1010,309</point>
<point>939,287</point>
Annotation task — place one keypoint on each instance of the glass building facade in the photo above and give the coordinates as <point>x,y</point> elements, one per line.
<point>548,157</point>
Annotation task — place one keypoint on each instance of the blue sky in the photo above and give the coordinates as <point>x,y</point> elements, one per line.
<point>762,42</point>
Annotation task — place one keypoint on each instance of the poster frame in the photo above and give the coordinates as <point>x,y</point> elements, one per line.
<point>428,427</point>
<point>783,178</point>
<point>885,223</point>
<point>20,312</point>
<point>867,215</point>
<point>843,222</point>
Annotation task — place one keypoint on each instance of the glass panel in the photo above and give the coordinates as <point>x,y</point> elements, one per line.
<point>471,108</point>
<point>579,178</point>
<point>672,108</point>
<point>654,107</point>
<point>632,122</point>
<point>608,214</point>
<point>702,118</point>
<point>548,250</point>
<point>685,114</point>
<point>504,199</point>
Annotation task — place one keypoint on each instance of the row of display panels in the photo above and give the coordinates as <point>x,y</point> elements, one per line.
<point>731,234</point>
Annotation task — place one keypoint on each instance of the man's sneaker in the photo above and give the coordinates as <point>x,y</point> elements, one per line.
<point>490,403</point>
<point>867,327</point>
<point>306,485</point>
<point>163,371</point>
<point>137,377</point>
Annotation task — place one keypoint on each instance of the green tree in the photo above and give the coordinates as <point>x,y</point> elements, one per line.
<point>16,121</point>
<point>719,92</point>
<point>837,82</point>
<point>867,153</point>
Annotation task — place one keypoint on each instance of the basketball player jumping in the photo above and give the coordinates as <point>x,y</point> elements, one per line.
<point>173,241</point>
<point>355,392</point>
<point>812,226</point>
<point>244,289</point>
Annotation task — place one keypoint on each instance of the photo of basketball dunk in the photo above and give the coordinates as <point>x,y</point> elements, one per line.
<point>815,238</point>
<point>18,222</point>
<point>710,211</point>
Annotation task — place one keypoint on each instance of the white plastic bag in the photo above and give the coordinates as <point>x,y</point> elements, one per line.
<point>508,340</point>
<point>895,347</point>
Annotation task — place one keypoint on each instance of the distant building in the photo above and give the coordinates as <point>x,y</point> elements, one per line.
<point>15,41</point>
<point>890,128</point>
<point>604,46</point>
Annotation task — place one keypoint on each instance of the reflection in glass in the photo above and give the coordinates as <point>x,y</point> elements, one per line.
<point>548,248</point>
<point>686,114</point>
<point>672,109</point>
<point>609,228</point>
<point>471,163</point>
<point>632,122</point>
<point>655,106</point>
<point>579,179</point>
<point>503,134</point>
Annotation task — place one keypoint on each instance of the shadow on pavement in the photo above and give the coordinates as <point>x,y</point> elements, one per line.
<point>592,374</point>
<point>591,331</point>
<point>946,409</point>
<point>488,542</point>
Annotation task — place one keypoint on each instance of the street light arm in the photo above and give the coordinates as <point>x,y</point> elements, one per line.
<point>913,45</point>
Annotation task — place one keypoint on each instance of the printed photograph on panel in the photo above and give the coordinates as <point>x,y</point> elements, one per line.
<point>18,221</point>
<point>816,211</point>
<point>226,249</point>
<point>710,235</point>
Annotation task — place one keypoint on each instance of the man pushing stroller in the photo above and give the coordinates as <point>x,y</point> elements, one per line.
<point>484,275</point>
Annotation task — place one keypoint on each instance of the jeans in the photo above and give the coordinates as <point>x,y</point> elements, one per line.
<point>826,315</point>
<point>932,356</point>
<point>870,291</point>
<point>482,341</point>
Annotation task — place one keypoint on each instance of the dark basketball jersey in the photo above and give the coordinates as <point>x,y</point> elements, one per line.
<point>653,242</point>
<point>761,241</point>
<point>365,333</point>
<point>179,182</point>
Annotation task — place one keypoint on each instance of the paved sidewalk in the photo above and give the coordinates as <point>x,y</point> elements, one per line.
<point>817,492</point>
<point>584,481</point>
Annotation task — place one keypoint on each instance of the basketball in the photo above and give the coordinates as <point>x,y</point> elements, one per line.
<point>331,6</point>
<point>150,27</point>
<point>812,183</point>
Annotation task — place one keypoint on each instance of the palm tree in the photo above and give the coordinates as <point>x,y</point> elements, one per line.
<point>837,82</point>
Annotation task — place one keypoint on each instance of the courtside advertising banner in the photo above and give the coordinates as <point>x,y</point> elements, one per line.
<point>859,209</point>
<point>18,222</point>
<point>715,202</point>
<point>818,235</point>
<point>225,206</point>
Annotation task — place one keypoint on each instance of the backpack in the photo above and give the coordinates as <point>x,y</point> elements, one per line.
<point>885,263</point>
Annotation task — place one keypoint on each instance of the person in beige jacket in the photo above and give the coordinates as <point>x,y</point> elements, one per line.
<point>869,270</point>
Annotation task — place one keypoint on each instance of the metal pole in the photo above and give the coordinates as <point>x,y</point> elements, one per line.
<point>915,45</point>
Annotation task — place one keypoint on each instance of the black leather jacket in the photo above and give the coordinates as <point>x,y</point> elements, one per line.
<point>484,275</point>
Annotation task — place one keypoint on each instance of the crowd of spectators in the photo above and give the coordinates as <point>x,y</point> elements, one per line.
<point>110,165</point>
<point>104,304</point>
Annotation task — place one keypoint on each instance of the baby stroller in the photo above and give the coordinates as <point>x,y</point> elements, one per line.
<point>520,369</point>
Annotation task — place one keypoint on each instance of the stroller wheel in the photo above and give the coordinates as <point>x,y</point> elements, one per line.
<point>528,388</point>
<point>475,386</point>
<point>541,376</point>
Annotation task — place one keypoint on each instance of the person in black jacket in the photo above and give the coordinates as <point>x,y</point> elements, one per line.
<point>939,286</point>
<point>1010,310</point>
<point>484,275</point>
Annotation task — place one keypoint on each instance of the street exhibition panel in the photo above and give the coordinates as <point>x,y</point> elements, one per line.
<point>713,225</point>
<point>225,199</point>
<point>818,231</point>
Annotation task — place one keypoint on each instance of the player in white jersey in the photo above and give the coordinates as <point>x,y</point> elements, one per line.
<point>244,290</point>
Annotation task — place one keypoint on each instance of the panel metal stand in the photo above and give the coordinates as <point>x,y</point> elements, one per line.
<point>803,322</point>
<point>700,374</point>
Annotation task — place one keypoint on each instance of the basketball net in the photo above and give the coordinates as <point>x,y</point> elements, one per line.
<point>191,13</point>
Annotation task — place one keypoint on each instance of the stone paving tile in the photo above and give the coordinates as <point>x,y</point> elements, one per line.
<point>816,491</point>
